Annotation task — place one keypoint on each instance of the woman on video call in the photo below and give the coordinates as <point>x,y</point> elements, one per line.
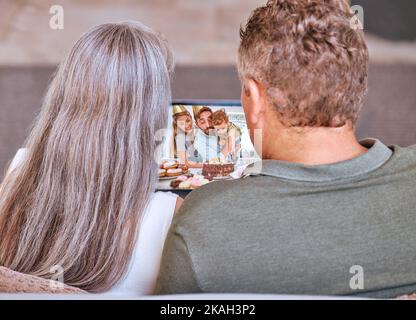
<point>183,138</point>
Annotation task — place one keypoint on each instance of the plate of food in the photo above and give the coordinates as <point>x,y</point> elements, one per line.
<point>189,182</point>
<point>165,177</point>
<point>171,169</point>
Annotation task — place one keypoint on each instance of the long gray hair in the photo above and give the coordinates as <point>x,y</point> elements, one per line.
<point>77,200</point>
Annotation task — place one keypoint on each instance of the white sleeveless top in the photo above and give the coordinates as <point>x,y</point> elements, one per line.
<point>140,277</point>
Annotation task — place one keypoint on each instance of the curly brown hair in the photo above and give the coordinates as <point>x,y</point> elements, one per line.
<point>311,62</point>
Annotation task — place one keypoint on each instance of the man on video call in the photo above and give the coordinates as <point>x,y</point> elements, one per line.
<point>326,214</point>
<point>205,138</point>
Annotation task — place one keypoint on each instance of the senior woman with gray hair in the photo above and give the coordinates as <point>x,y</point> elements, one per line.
<point>81,195</point>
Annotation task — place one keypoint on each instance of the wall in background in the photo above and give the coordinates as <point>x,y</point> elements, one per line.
<point>200,31</point>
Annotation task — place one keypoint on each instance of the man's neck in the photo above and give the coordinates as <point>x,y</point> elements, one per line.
<point>314,146</point>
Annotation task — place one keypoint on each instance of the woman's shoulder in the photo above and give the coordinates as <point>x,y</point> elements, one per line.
<point>18,159</point>
<point>165,196</point>
<point>162,205</point>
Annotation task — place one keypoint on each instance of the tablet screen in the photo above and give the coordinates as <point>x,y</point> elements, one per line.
<point>210,132</point>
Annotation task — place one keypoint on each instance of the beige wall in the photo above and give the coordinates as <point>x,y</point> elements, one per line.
<point>200,31</point>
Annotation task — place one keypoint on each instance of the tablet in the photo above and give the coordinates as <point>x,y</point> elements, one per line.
<point>205,140</point>
<point>191,130</point>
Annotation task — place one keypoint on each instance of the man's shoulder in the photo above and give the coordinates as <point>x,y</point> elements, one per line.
<point>406,154</point>
<point>411,148</point>
<point>217,190</point>
<point>214,199</point>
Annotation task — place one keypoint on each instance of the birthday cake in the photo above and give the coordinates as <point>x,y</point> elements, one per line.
<point>217,169</point>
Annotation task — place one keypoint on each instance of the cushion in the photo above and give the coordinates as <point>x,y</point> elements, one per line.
<point>16,282</point>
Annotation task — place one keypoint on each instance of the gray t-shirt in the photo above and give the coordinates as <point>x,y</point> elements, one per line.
<point>342,229</point>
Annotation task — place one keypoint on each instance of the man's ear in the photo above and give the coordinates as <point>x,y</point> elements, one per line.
<point>255,99</point>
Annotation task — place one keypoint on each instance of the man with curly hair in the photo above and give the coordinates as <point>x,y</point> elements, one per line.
<point>320,204</point>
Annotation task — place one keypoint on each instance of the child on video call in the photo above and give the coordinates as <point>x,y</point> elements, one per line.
<point>229,135</point>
